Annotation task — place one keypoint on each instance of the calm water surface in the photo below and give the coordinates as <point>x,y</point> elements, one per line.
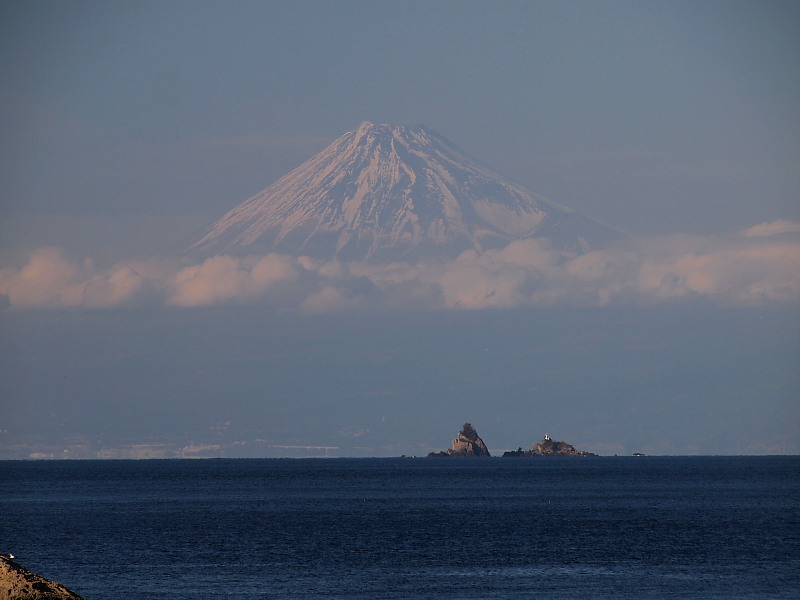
<point>653,527</point>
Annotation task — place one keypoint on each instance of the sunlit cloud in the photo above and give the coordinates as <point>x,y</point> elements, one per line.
<point>731,272</point>
<point>772,228</point>
<point>50,280</point>
<point>224,279</point>
<point>760,266</point>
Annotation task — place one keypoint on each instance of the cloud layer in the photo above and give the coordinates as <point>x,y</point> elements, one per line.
<point>758,266</point>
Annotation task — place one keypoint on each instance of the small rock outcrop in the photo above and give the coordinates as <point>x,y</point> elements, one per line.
<point>467,444</point>
<point>17,583</point>
<point>549,447</point>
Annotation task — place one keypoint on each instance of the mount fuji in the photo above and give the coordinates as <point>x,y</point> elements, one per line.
<point>392,192</point>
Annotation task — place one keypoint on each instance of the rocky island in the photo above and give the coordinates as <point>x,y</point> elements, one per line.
<point>467,444</point>
<point>17,583</point>
<point>549,447</point>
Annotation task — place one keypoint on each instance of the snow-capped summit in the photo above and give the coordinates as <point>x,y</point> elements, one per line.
<point>388,192</point>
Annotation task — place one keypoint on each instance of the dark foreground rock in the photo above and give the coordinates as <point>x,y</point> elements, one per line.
<point>17,583</point>
<point>467,444</point>
<point>548,447</point>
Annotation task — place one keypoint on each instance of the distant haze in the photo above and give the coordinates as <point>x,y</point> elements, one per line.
<point>245,383</point>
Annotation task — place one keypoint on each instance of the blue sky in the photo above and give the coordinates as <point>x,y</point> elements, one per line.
<point>663,116</point>
<point>127,126</point>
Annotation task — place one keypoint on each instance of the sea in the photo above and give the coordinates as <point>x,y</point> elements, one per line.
<point>409,528</point>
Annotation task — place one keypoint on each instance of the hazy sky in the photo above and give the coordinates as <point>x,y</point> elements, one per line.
<point>126,126</point>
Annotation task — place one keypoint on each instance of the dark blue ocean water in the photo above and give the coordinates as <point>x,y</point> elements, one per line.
<point>653,527</point>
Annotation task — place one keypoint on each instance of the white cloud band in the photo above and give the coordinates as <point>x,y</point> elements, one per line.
<point>759,266</point>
